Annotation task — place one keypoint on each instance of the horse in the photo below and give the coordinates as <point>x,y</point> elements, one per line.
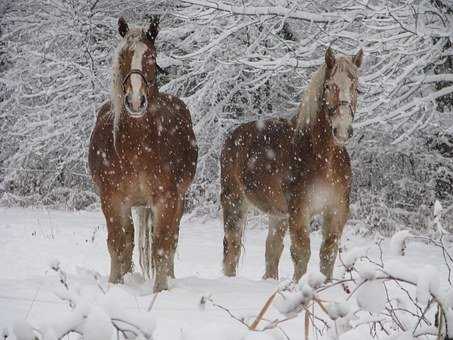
<point>142,153</point>
<point>294,169</point>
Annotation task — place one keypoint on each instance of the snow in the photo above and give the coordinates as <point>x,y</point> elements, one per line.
<point>213,331</point>
<point>350,257</point>
<point>97,325</point>
<point>371,296</point>
<point>23,330</point>
<point>315,279</point>
<point>338,309</point>
<point>427,283</point>
<point>288,302</point>
<point>398,242</point>
<point>33,241</point>
<point>437,208</point>
<point>272,10</point>
<point>366,269</point>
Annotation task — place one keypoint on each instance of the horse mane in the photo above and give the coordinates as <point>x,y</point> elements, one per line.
<point>311,100</point>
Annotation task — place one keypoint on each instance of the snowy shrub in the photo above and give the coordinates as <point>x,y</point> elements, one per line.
<point>93,316</point>
<point>371,298</point>
<point>397,187</point>
<point>232,64</point>
<point>373,295</point>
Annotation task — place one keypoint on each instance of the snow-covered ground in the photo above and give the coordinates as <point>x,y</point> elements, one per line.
<point>30,239</point>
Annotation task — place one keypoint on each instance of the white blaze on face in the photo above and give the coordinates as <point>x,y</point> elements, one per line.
<point>342,122</point>
<point>136,79</point>
<point>344,85</point>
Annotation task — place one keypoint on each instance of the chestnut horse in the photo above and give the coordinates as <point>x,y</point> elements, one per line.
<point>294,169</point>
<point>142,152</point>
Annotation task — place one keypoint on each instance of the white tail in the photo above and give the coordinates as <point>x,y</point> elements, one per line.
<point>145,231</point>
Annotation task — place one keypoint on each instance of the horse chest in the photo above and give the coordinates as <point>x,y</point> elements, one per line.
<point>322,194</point>
<point>325,184</point>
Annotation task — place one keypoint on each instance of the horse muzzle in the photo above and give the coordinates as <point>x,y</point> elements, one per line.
<point>135,105</point>
<point>341,135</point>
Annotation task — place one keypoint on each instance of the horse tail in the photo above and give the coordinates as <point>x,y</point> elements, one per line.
<point>145,231</point>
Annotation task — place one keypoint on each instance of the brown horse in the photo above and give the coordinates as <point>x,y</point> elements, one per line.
<point>142,152</point>
<point>294,169</point>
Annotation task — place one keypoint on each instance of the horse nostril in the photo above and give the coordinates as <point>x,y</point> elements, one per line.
<point>350,132</point>
<point>142,101</point>
<point>127,100</point>
<point>335,130</point>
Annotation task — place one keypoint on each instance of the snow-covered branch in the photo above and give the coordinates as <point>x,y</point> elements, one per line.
<point>271,10</point>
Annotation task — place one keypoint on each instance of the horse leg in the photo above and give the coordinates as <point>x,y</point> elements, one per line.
<point>274,245</point>
<point>144,219</point>
<point>165,236</point>
<point>334,221</point>
<point>179,213</point>
<point>299,222</point>
<point>234,217</point>
<point>120,238</point>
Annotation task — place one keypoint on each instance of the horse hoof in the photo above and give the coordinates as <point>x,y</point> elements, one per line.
<point>229,273</point>
<point>160,286</point>
<point>270,277</point>
<point>115,279</point>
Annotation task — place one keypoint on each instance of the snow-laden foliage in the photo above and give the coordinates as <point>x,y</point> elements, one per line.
<point>372,298</point>
<point>92,315</point>
<point>232,62</point>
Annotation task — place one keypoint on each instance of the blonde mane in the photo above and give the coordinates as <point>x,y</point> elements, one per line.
<point>310,104</point>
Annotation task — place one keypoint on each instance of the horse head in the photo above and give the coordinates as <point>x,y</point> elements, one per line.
<point>135,67</point>
<point>340,93</point>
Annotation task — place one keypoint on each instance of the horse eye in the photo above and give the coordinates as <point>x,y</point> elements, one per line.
<point>149,37</point>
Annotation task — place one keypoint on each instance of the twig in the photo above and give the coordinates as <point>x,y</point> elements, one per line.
<point>263,311</point>
<point>152,302</point>
<point>228,312</point>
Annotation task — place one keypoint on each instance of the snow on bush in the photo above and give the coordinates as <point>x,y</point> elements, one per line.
<point>93,316</point>
<point>338,309</point>
<point>369,300</point>
<point>366,269</point>
<point>371,296</point>
<point>314,279</point>
<point>398,242</point>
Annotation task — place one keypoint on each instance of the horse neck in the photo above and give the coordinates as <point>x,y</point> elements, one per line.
<point>129,131</point>
<point>318,136</point>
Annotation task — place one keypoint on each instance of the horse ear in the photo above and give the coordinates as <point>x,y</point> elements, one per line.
<point>153,28</point>
<point>358,58</point>
<point>122,26</point>
<point>330,58</point>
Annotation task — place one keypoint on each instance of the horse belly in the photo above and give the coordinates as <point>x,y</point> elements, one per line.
<point>267,195</point>
<point>141,191</point>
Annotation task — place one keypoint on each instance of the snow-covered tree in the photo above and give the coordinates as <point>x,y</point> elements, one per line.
<point>232,62</point>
